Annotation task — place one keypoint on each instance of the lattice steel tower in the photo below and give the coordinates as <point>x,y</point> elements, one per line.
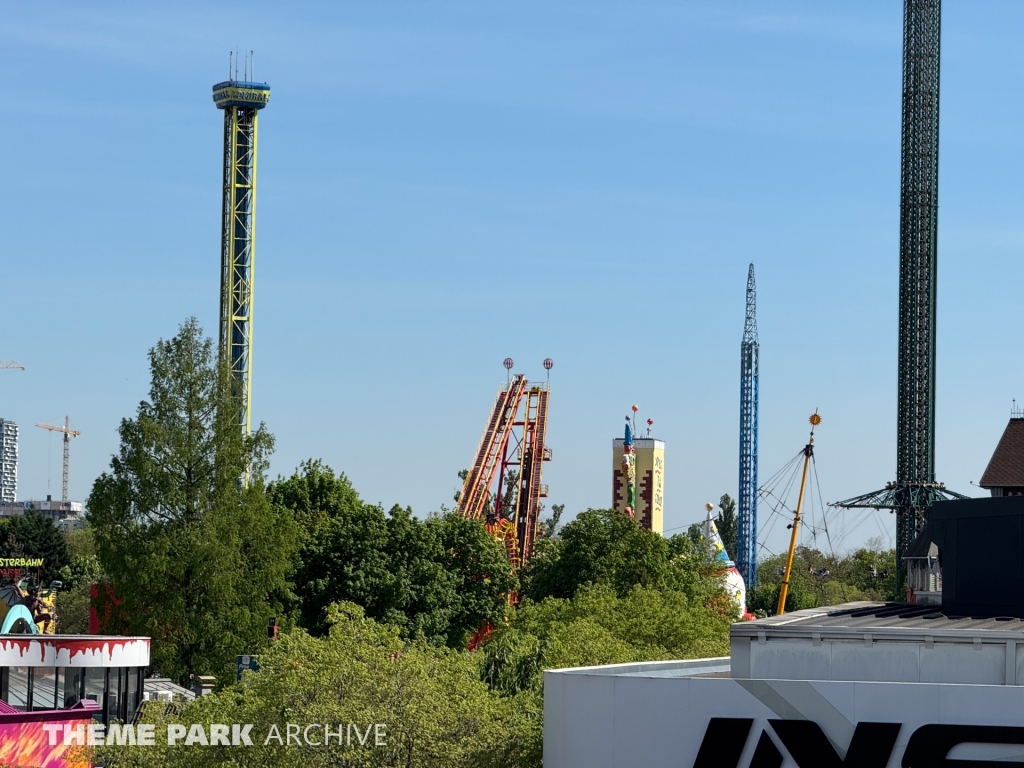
<point>241,101</point>
<point>915,488</point>
<point>746,519</point>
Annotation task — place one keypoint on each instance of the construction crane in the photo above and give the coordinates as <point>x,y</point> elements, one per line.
<point>511,440</point>
<point>68,434</point>
<point>10,365</point>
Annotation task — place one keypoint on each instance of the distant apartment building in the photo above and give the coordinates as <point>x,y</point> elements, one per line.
<point>8,461</point>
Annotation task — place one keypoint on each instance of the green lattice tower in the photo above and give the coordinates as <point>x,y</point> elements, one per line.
<point>915,488</point>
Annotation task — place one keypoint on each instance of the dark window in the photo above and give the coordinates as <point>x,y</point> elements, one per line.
<point>73,685</point>
<point>113,693</point>
<point>44,688</point>
<point>95,677</point>
<point>134,692</point>
<point>18,681</point>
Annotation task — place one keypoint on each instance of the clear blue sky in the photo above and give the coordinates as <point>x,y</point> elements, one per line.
<point>443,185</point>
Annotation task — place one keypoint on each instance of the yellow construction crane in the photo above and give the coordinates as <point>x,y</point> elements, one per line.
<point>68,434</point>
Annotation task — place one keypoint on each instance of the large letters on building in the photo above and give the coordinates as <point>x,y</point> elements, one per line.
<point>871,746</point>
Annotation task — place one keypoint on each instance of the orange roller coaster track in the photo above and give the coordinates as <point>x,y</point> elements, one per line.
<point>511,439</point>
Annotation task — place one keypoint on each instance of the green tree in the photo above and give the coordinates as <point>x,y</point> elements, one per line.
<point>601,546</point>
<point>820,579</point>
<point>597,626</point>
<point>197,557</point>
<point>442,577</point>
<point>315,495</point>
<point>695,533</point>
<point>82,571</point>
<point>549,527</point>
<point>726,523</point>
<point>435,709</point>
<point>34,535</point>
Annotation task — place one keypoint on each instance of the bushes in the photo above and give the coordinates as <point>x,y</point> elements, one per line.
<point>821,579</point>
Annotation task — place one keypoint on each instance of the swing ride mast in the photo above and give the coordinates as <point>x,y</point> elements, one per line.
<point>795,526</point>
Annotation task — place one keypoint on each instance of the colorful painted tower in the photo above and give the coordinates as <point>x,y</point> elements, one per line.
<point>241,101</point>
<point>638,478</point>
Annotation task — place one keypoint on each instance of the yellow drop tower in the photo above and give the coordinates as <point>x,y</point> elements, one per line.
<point>241,101</point>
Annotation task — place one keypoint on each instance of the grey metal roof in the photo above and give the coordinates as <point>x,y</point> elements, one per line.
<point>902,619</point>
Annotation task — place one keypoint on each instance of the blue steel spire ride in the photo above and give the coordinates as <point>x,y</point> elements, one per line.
<point>241,101</point>
<point>746,519</point>
<point>915,488</point>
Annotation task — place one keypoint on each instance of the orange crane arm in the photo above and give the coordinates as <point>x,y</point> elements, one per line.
<point>64,430</point>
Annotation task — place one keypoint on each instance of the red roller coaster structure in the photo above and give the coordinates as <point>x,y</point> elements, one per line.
<point>511,440</point>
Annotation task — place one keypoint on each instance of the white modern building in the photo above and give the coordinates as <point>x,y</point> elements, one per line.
<point>865,684</point>
<point>8,461</point>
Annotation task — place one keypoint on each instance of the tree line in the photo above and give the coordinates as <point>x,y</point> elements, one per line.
<point>194,547</point>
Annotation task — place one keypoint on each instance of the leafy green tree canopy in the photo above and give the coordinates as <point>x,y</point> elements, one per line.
<point>596,626</point>
<point>441,578</point>
<point>82,571</point>
<point>315,495</point>
<point>435,710</point>
<point>197,556</point>
<point>727,524</point>
<point>820,578</point>
<point>602,546</point>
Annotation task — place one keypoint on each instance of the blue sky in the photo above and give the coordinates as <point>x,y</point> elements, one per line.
<point>443,185</point>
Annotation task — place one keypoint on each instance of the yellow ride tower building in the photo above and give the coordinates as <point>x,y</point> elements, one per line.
<point>649,481</point>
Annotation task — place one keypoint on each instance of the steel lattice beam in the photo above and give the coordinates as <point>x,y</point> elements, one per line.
<point>915,488</point>
<point>241,102</point>
<point>746,519</point>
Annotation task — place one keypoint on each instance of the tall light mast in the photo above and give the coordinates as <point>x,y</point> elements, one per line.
<point>746,518</point>
<point>241,101</point>
<point>916,488</point>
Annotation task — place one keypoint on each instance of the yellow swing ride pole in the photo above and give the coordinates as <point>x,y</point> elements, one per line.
<point>808,453</point>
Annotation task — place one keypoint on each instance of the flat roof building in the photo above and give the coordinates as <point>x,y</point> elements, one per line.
<point>55,510</point>
<point>870,684</point>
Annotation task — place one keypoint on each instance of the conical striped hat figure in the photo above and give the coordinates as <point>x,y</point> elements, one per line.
<point>734,585</point>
